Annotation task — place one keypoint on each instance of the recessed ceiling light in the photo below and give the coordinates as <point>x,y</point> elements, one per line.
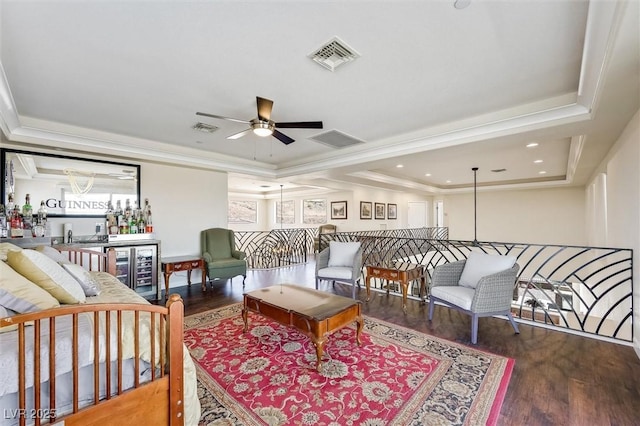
<point>265,186</point>
<point>498,170</point>
<point>448,181</point>
<point>399,166</point>
<point>542,172</point>
<point>461,4</point>
<point>532,144</point>
<point>427,174</point>
<point>538,161</point>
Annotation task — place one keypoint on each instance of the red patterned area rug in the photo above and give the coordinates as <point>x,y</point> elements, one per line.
<point>397,376</point>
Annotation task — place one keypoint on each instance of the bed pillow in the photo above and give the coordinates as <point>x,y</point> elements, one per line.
<point>480,265</point>
<point>5,247</point>
<point>54,254</point>
<point>89,285</point>
<point>342,254</point>
<point>46,273</point>
<point>21,295</point>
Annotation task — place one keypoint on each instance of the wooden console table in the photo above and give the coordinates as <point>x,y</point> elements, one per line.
<point>403,273</point>
<point>183,263</point>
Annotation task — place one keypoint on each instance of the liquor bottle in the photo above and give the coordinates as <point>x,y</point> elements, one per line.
<point>26,208</point>
<point>3,222</point>
<point>17,229</point>
<point>133,223</point>
<point>39,228</point>
<point>127,210</point>
<point>27,214</point>
<point>42,214</point>
<point>141,224</point>
<point>112,225</point>
<point>119,214</point>
<point>146,207</point>
<point>10,205</point>
<point>149,221</point>
<point>123,226</point>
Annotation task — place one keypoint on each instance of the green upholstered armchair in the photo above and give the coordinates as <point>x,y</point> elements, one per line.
<point>222,259</point>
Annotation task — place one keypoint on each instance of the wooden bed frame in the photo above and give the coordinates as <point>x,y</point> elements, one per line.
<point>157,402</point>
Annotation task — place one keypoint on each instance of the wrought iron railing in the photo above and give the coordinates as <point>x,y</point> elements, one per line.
<point>278,247</point>
<point>265,249</point>
<point>583,289</point>
<point>577,288</point>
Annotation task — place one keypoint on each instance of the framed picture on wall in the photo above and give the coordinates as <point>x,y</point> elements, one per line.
<point>242,211</point>
<point>392,211</point>
<point>380,210</point>
<point>286,211</point>
<point>314,211</point>
<point>338,210</point>
<point>366,210</point>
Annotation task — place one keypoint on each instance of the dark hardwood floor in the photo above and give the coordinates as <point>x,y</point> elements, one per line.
<point>558,379</point>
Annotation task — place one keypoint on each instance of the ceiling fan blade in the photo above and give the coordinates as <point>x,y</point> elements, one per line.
<point>239,134</point>
<point>282,137</point>
<point>204,114</point>
<point>300,125</point>
<point>264,108</point>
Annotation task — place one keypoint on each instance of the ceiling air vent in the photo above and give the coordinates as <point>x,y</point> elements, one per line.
<point>333,54</point>
<point>336,139</point>
<point>204,127</point>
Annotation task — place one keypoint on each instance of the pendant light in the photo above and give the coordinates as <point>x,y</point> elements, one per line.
<point>475,206</point>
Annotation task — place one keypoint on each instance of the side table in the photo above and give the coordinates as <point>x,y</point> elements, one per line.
<point>182,263</point>
<point>403,273</point>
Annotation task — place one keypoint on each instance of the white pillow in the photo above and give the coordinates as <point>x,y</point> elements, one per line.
<point>54,254</point>
<point>89,285</point>
<point>480,265</point>
<point>342,254</point>
<point>47,274</point>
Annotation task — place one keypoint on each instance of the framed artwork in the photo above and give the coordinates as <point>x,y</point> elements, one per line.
<point>287,212</point>
<point>314,211</point>
<point>380,210</point>
<point>392,211</point>
<point>338,210</point>
<point>366,210</point>
<point>241,211</point>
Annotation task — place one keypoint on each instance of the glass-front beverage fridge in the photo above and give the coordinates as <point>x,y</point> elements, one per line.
<point>137,267</point>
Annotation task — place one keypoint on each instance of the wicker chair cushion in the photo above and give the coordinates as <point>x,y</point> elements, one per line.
<point>456,295</point>
<point>479,265</point>
<point>342,254</point>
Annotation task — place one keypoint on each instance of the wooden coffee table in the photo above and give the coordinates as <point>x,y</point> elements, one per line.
<point>314,313</point>
<point>403,273</point>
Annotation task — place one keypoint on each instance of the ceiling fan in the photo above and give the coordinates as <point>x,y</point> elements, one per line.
<point>264,126</point>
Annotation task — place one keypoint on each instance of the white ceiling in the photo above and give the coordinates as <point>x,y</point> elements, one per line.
<point>436,89</point>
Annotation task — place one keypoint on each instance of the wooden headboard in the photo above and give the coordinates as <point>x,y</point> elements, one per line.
<point>91,259</point>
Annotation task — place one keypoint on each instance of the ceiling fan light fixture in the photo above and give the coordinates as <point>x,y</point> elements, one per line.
<point>262,128</point>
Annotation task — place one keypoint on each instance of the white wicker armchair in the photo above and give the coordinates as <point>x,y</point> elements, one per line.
<point>348,270</point>
<point>491,296</point>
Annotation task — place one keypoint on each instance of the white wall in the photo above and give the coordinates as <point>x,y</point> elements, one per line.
<point>184,201</point>
<point>544,216</point>
<point>623,204</point>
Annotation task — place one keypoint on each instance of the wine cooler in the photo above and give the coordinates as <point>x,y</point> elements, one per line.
<point>137,267</point>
